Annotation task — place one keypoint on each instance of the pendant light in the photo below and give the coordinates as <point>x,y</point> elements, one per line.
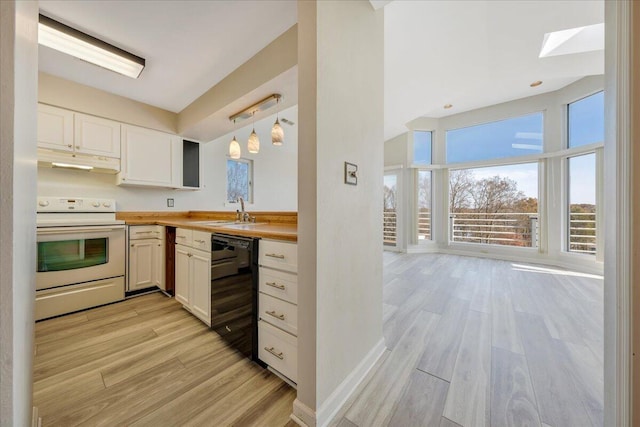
<point>234,147</point>
<point>254,143</point>
<point>277,133</point>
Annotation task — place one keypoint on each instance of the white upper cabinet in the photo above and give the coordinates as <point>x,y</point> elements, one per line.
<point>150,158</point>
<point>96,136</point>
<point>55,128</point>
<point>64,130</point>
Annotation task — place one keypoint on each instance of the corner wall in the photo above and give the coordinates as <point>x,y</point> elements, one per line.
<point>341,53</point>
<point>18,98</point>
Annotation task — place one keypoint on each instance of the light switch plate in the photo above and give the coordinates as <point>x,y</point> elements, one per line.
<point>350,173</point>
<point>169,203</point>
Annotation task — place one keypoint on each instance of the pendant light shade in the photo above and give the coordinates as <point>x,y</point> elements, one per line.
<point>234,149</point>
<point>254,142</point>
<point>277,133</point>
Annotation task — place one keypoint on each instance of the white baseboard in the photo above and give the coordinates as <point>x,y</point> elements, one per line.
<point>307,417</point>
<point>303,415</point>
<point>341,394</point>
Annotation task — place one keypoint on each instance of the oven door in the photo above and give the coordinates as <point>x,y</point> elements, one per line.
<point>68,255</point>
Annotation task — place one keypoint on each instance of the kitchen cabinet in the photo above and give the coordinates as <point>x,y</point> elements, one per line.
<point>277,306</point>
<point>193,272</point>
<point>66,131</point>
<point>146,257</point>
<point>150,158</point>
<point>96,136</point>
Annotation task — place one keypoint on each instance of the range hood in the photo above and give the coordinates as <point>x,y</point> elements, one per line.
<point>56,159</point>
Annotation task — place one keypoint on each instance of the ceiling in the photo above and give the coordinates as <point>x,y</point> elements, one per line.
<point>189,46</point>
<point>467,53</point>
<point>476,53</point>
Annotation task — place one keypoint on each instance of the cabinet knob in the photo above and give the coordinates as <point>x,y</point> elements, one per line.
<point>77,146</point>
<point>133,246</point>
<point>69,145</point>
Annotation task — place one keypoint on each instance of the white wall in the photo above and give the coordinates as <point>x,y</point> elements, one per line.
<point>18,97</point>
<point>275,177</point>
<point>339,247</point>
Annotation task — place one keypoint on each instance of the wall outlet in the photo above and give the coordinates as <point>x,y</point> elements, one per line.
<point>169,203</point>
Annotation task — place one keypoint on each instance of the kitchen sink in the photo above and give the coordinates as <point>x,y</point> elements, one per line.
<point>215,222</point>
<point>243,225</point>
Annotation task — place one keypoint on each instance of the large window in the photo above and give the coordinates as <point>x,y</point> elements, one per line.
<point>494,205</point>
<point>422,147</point>
<point>582,204</point>
<point>424,205</point>
<point>390,214</point>
<point>239,180</point>
<point>512,137</point>
<point>586,120</point>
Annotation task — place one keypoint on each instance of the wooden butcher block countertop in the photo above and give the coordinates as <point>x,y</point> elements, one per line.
<point>268,225</point>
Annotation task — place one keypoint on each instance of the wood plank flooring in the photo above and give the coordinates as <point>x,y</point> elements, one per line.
<point>476,342</point>
<point>471,342</point>
<point>148,362</point>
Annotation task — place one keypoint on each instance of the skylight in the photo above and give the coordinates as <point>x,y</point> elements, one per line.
<point>574,40</point>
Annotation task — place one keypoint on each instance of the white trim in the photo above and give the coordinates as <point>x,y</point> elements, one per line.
<point>618,225</point>
<point>341,394</point>
<point>393,167</point>
<point>303,415</point>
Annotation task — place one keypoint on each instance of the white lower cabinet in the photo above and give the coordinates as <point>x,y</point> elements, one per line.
<point>193,280</point>
<point>146,257</point>
<point>278,307</point>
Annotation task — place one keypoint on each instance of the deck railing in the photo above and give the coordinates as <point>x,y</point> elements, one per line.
<point>504,228</point>
<point>389,227</point>
<point>582,232</point>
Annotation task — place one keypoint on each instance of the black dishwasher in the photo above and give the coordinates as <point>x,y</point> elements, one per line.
<point>234,291</point>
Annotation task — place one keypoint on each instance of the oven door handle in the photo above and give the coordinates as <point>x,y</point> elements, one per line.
<point>75,230</point>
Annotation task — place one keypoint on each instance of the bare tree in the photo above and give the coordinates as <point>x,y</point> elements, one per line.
<point>237,180</point>
<point>496,194</point>
<point>390,199</point>
<point>461,185</point>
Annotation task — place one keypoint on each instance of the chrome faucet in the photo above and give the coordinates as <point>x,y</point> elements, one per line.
<point>244,216</point>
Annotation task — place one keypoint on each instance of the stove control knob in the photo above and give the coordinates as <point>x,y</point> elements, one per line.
<point>107,204</point>
<point>95,204</point>
<point>43,203</point>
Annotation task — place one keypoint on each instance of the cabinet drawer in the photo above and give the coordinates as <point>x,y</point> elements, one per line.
<point>146,232</point>
<point>201,240</point>
<point>279,313</point>
<point>184,236</point>
<point>279,284</point>
<point>278,349</point>
<point>280,255</point>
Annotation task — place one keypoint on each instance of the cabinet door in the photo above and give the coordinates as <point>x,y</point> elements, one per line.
<point>182,275</point>
<point>150,158</point>
<point>141,264</point>
<point>201,285</point>
<point>96,136</point>
<point>159,265</point>
<point>55,128</point>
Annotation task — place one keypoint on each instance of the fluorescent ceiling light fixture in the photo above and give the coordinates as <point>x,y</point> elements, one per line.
<point>70,166</point>
<point>573,40</point>
<point>65,39</point>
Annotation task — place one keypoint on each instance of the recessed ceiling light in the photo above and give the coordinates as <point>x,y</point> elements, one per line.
<point>536,83</point>
<point>447,106</point>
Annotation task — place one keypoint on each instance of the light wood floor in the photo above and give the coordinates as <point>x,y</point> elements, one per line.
<point>147,362</point>
<point>476,342</point>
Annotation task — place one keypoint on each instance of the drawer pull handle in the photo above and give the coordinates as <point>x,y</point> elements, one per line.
<point>273,351</point>
<point>181,237</point>
<point>199,241</point>
<point>274,314</point>
<point>275,285</point>
<point>145,232</point>
<point>275,256</point>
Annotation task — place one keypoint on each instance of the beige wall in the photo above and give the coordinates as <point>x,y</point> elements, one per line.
<point>63,93</point>
<point>18,97</point>
<point>340,252</point>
